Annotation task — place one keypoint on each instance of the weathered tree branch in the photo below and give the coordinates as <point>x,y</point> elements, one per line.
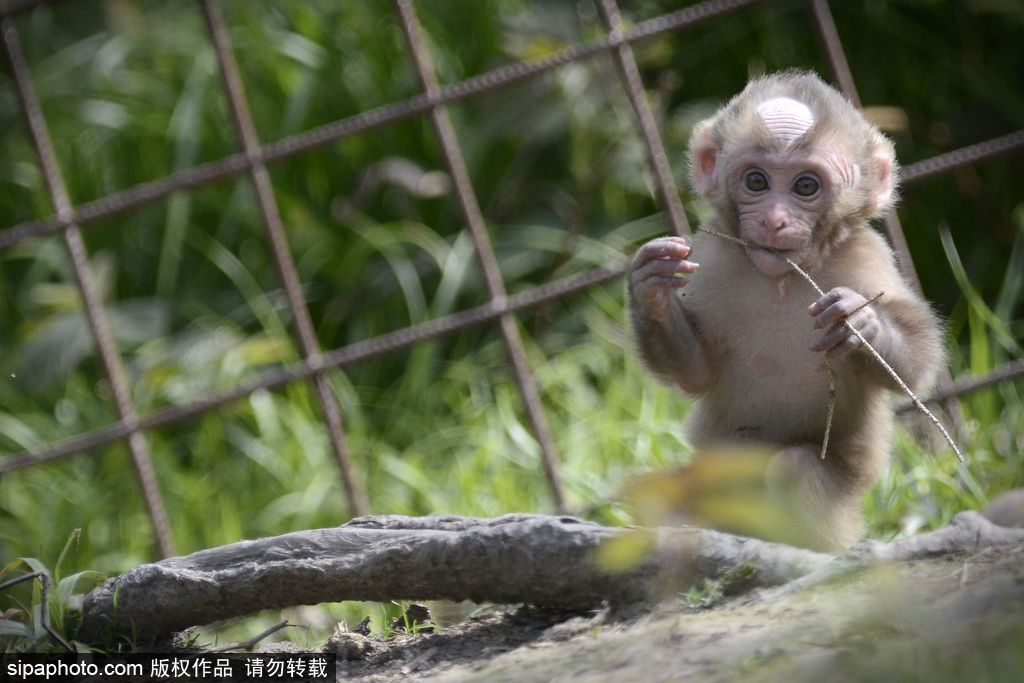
<point>542,560</point>
<point>969,531</point>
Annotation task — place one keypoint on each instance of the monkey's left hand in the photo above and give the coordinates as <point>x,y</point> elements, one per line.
<point>839,304</point>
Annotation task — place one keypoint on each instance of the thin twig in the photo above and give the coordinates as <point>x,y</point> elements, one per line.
<point>877,356</point>
<point>20,579</point>
<point>44,604</point>
<point>252,642</point>
<point>870,301</point>
<point>832,378</point>
<point>831,406</point>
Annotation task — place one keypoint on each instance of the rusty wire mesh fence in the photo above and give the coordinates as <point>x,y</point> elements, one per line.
<point>67,222</point>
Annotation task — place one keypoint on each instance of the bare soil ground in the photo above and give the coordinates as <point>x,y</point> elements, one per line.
<point>949,618</point>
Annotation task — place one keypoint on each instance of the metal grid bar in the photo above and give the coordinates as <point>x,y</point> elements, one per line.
<point>274,227</point>
<point>964,156</point>
<point>474,219</point>
<point>146,193</point>
<point>834,50</point>
<point>347,355</point>
<point>656,154</point>
<point>92,302</point>
<point>255,158</point>
<point>826,26</point>
<point>841,68</point>
<point>967,385</point>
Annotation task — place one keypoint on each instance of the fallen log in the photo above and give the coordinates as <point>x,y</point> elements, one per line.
<point>542,560</point>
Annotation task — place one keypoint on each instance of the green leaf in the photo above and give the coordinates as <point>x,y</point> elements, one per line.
<point>14,628</point>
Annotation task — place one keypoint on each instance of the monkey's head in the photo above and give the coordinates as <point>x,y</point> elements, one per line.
<point>790,165</point>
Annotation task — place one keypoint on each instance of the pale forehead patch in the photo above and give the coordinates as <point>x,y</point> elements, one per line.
<point>844,171</point>
<point>786,119</point>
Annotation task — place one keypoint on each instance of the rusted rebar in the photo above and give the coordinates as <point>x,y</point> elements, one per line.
<point>338,358</point>
<point>496,79</point>
<point>283,261</point>
<point>470,208</point>
<point>646,123</point>
<point>92,302</point>
<point>829,34</point>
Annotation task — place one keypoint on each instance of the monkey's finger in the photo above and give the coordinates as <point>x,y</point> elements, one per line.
<point>866,322</point>
<point>824,302</point>
<point>844,347</point>
<point>833,311</point>
<point>664,248</point>
<point>840,339</point>
<point>662,267</point>
<point>680,239</point>
<point>835,336</point>
<point>687,267</point>
<point>666,281</point>
<point>668,239</point>
<point>830,297</point>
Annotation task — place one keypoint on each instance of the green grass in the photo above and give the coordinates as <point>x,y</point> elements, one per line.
<point>44,612</point>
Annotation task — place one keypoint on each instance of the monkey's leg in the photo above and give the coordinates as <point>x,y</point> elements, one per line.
<point>817,495</point>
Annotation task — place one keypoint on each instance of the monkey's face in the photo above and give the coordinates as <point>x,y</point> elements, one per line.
<point>789,180</point>
<point>779,199</point>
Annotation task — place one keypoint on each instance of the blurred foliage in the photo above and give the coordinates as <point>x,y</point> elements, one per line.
<point>131,92</point>
<point>721,488</point>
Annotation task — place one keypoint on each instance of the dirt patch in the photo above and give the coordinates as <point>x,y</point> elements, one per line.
<point>947,618</point>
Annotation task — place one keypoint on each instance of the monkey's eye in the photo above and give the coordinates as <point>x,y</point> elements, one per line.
<point>755,181</point>
<point>806,186</point>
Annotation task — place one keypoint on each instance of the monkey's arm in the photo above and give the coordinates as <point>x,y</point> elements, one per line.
<point>911,343</point>
<point>667,339</point>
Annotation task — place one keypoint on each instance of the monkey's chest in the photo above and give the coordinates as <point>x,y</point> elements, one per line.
<point>769,384</point>
<point>786,372</point>
<point>763,365</point>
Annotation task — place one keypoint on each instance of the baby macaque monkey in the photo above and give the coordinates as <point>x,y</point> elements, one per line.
<point>795,171</point>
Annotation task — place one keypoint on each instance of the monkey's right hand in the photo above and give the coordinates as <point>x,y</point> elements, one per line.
<point>653,275</point>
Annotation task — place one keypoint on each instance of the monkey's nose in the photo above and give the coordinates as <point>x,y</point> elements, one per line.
<point>775,219</point>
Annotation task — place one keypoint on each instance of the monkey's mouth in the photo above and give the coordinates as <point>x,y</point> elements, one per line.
<point>773,261</point>
<point>792,253</point>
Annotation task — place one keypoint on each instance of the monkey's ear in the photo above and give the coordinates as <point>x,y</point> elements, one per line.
<point>703,159</point>
<point>883,173</point>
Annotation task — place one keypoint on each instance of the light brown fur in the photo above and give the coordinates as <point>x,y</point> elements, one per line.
<point>739,338</point>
